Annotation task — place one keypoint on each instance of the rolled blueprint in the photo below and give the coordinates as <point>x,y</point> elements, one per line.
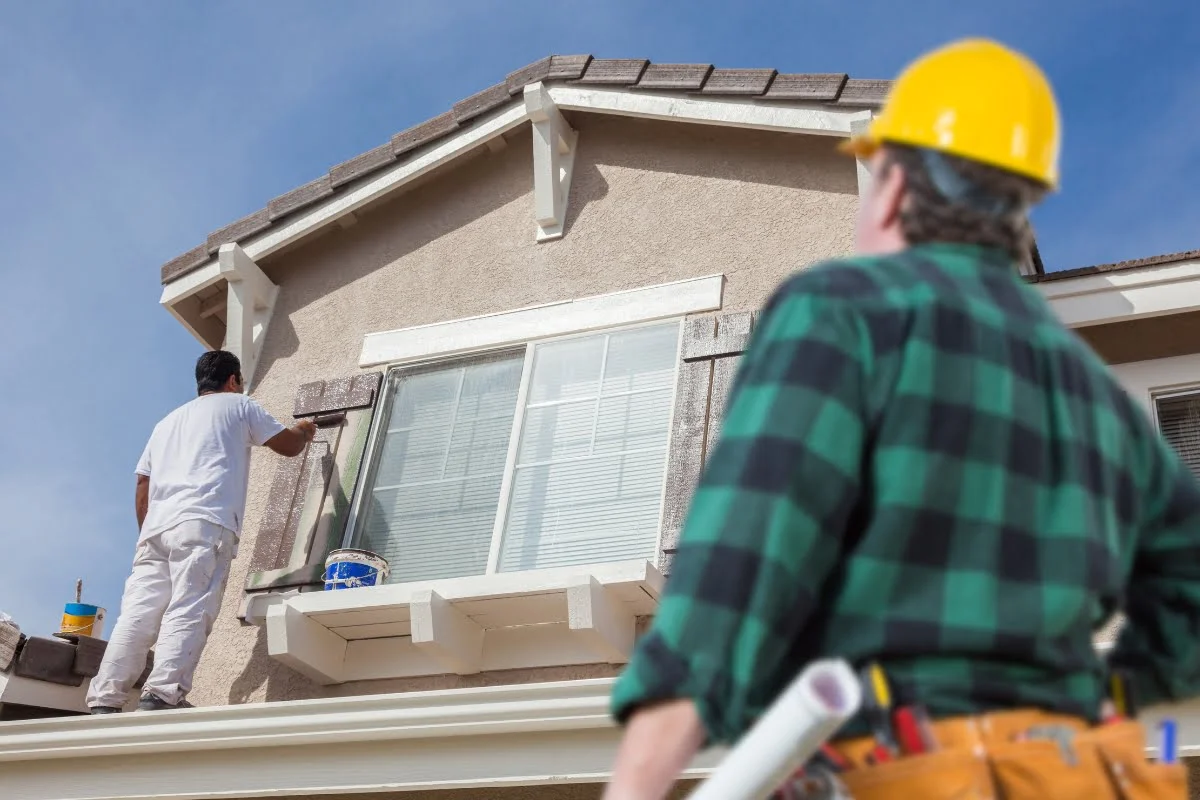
<point>809,711</point>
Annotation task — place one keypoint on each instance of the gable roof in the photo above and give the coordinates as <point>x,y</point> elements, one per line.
<point>835,89</point>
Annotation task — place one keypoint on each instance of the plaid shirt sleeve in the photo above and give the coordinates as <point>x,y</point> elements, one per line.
<point>765,525</point>
<point>1160,642</point>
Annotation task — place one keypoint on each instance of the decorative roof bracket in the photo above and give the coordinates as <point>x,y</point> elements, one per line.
<point>249,305</point>
<point>554,145</point>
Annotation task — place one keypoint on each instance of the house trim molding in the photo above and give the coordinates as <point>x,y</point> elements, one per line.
<point>456,337</point>
<point>529,734</point>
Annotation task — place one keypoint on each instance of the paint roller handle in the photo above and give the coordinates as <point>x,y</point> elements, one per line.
<point>307,428</point>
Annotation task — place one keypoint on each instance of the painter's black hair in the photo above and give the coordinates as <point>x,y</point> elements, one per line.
<point>213,370</point>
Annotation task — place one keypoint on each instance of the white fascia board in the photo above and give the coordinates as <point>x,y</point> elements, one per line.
<point>745,113</point>
<point>520,735</point>
<point>1126,295</point>
<point>454,337</point>
<point>191,283</point>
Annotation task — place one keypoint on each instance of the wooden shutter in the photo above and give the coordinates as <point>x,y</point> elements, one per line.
<point>309,498</point>
<point>712,348</point>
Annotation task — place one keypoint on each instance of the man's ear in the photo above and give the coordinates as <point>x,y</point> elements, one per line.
<point>890,200</point>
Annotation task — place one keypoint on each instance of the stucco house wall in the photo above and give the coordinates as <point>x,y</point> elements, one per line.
<point>650,203</point>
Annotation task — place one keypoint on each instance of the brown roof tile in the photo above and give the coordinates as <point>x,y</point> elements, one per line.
<point>246,226</point>
<point>584,69</point>
<point>481,103</point>
<point>686,77</point>
<point>815,87</point>
<point>297,199</point>
<point>863,92</point>
<point>182,265</point>
<point>362,165</point>
<point>568,68</point>
<point>417,135</point>
<point>738,81</point>
<point>614,71</point>
<point>532,73</point>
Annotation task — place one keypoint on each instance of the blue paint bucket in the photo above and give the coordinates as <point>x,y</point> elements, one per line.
<point>350,568</point>
<point>82,619</point>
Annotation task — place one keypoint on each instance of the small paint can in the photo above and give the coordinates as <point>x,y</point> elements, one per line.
<point>350,568</point>
<point>82,619</point>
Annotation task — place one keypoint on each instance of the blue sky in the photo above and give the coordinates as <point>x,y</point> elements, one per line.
<point>128,131</point>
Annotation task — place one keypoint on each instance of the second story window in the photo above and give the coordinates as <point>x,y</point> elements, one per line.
<point>549,455</point>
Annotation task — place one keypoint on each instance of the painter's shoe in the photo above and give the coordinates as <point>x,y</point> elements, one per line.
<point>152,702</point>
<point>104,710</point>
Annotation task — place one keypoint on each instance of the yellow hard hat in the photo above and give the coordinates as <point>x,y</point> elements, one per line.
<point>976,99</point>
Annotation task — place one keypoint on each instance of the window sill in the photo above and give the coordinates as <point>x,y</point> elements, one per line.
<point>518,620</point>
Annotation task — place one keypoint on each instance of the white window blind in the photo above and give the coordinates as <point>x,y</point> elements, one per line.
<point>588,479</point>
<point>458,472</point>
<point>1179,421</point>
<point>435,488</point>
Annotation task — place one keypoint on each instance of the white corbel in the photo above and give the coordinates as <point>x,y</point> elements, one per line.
<point>553,161</point>
<point>304,645</point>
<point>857,128</point>
<point>446,634</point>
<point>595,615</point>
<point>249,305</point>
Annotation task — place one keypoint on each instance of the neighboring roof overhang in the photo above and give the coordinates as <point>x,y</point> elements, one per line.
<point>1128,290</point>
<point>470,738</point>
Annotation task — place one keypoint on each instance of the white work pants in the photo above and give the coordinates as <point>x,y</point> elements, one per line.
<point>171,600</point>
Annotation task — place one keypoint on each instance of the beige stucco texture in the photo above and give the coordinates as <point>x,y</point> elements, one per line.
<point>650,202</point>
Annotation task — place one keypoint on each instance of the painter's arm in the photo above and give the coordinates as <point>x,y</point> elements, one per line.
<point>141,498</point>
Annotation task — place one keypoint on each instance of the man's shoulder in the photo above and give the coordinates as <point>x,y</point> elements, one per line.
<point>856,280</point>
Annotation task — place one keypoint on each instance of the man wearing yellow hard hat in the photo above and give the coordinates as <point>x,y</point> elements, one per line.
<point>922,472</point>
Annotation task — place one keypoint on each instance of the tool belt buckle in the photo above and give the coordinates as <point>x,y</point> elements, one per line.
<point>814,782</point>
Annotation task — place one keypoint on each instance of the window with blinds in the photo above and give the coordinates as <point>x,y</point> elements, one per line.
<point>1179,421</point>
<point>552,455</point>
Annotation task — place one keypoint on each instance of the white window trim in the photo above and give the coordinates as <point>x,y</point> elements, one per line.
<point>535,323</point>
<point>378,426</point>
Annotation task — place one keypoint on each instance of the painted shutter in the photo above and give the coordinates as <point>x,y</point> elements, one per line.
<point>712,348</point>
<point>309,498</point>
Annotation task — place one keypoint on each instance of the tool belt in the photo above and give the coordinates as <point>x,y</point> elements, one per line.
<point>1015,755</point>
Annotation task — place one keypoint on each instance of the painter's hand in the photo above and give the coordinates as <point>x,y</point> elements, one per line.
<point>307,428</point>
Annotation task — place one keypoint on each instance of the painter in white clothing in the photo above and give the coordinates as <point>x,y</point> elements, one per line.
<point>190,498</point>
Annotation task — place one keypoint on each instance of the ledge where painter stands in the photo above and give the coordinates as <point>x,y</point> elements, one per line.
<point>515,620</point>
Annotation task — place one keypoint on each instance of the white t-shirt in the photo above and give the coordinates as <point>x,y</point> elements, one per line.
<point>198,461</point>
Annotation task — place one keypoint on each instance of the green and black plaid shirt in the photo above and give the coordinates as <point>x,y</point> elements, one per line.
<point>921,465</point>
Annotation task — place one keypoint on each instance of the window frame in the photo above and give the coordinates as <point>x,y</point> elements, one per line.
<point>380,414</point>
<point>1170,394</point>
